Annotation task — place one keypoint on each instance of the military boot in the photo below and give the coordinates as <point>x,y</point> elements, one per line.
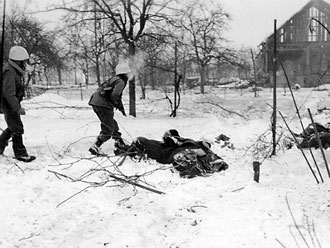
<point>4,138</point>
<point>20,150</point>
<point>120,146</point>
<point>95,149</point>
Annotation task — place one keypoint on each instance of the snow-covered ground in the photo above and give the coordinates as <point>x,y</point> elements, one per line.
<point>42,206</point>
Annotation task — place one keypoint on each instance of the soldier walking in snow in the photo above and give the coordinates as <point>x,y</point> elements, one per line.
<point>104,100</point>
<point>12,94</point>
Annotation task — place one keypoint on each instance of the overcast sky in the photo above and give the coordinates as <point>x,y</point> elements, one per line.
<point>252,20</point>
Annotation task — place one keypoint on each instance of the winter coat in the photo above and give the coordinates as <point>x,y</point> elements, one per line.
<point>163,152</point>
<point>109,94</point>
<point>191,158</point>
<point>12,89</point>
<point>308,137</point>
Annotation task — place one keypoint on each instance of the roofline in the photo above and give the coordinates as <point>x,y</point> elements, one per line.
<point>305,6</point>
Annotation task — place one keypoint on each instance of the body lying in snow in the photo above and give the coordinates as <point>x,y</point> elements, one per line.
<point>191,158</point>
<point>308,137</point>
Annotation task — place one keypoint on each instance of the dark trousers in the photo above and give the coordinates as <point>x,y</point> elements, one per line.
<point>15,129</point>
<point>109,126</point>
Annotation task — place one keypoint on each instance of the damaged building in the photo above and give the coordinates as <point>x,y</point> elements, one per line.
<point>303,46</point>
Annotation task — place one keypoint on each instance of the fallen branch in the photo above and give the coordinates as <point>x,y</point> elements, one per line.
<point>19,167</point>
<point>31,236</point>
<point>295,222</point>
<point>229,111</point>
<point>235,190</point>
<point>75,195</point>
<point>132,180</point>
<point>59,175</point>
<point>280,243</point>
<point>137,185</point>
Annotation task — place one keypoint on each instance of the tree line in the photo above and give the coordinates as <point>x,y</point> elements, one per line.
<point>163,40</point>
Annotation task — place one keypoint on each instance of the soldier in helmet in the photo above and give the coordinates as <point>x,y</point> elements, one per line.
<point>104,101</point>
<point>11,97</point>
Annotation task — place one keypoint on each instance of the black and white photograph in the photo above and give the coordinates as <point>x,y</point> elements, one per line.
<point>165,124</point>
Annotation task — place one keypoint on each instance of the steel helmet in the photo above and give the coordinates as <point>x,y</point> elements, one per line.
<point>171,137</point>
<point>122,69</point>
<point>18,53</point>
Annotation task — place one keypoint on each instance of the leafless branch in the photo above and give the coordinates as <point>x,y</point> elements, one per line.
<point>137,180</point>
<point>295,222</point>
<point>229,111</point>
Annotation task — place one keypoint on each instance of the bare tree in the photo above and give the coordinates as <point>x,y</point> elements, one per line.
<point>203,26</point>
<point>27,32</point>
<point>92,44</point>
<point>154,50</point>
<point>130,17</point>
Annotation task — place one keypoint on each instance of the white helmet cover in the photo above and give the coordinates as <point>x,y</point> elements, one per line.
<point>122,69</point>
<point>18,53</point>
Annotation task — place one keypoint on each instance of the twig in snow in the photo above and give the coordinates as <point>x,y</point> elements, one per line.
<point>75,142</point>
<point>235,190</point>
<point>132,180</point>
<point>19,167</point>
<point>192,210</point>
<point>137,185</point>
<point>31,236</point>
<point>295,222</point>
<point>229,111</point>
<point>280,243</point>
<point>311,232</point>
<point>75,195</point>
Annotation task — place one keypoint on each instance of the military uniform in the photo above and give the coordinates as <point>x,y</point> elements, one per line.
<point>104,101</point>
<point>12,95</point>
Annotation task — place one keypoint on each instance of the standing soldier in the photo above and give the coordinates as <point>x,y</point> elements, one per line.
<point>104,100</point>
<point>12,95</point>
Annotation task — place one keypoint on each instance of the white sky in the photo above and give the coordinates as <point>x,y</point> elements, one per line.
<point>252,20</point>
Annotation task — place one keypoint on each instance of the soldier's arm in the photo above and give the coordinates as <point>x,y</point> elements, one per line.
<point>117,92</point>
<point>9,91</point>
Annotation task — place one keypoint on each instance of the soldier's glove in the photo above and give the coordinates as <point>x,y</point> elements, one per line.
<point>21,111</point>
<point>123,112</point>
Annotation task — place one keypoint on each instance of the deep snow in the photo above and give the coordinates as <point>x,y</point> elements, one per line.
<point>228,209</point>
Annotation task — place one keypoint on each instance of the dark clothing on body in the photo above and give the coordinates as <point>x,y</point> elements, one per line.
<point>164,152</point>
<point>191,158</point>
<point>309,137</point>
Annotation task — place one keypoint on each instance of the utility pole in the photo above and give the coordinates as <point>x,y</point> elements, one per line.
<point>97,55</point>
<point>274,90</point>
<point>175,77</point>
<point>254,73</point>
<point>2,43</point>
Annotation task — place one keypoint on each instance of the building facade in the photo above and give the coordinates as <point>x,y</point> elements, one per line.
<point>303,46</point>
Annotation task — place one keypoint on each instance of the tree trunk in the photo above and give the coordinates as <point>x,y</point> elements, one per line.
<point>87,75</point>
<point>59,73</point>
<point>132,100</point>
<point>202,74</point>
<point>143,88</point>
<point>98,76</point>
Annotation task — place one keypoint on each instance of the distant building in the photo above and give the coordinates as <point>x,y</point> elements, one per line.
<point>303,45</point>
